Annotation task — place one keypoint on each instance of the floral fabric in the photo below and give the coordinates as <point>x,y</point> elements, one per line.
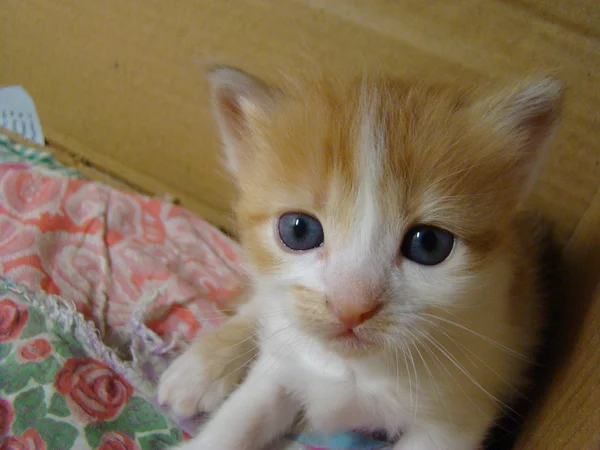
<point>104,250</point>
<point>53,396</point>
<point>15,155</point>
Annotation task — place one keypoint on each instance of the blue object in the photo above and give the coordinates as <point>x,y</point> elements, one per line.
<point>342,441</point>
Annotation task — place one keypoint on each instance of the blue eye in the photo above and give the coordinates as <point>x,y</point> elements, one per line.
<point>427,245</point>
<point>300,231</point>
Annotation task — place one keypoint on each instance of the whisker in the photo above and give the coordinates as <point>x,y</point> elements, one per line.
<point>430,374</point>
<point>482,336</point>
<point>219,315</point>
<point>443,366</point>
<point>410,389</point>
<point>240,367</point>
<point>398,368</point>
<point>255,348</point>
<point>252,336</point>
<point>442,330</point>
<point>460,367</point>
<point>272,358</point>
<point>417,384</point>
<point>464,349</point>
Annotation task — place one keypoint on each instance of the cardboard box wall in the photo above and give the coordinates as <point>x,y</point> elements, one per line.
<point>119,86</point>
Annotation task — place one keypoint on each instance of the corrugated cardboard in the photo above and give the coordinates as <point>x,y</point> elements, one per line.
<point>119,85</point>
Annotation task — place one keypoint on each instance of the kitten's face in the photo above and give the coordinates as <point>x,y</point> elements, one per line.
<point>373,205</point>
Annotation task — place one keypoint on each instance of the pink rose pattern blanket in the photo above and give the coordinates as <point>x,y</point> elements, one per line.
<point>84,265</point>
<point>104,249</point>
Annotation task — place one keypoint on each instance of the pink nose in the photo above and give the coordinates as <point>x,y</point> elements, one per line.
<point>352,316</point>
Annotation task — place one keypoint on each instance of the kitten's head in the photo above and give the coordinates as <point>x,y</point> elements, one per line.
<point>374,201</point>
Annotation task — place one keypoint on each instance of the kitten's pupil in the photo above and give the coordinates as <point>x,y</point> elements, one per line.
<point>429,240</point>
<point>300,231</point>
<point>300,227</point>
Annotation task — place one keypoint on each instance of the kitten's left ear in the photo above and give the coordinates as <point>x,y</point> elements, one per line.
<point>526,114</point>
<point>239,100</point>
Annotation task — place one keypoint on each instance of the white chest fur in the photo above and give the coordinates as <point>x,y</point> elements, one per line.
<point>338,394</point>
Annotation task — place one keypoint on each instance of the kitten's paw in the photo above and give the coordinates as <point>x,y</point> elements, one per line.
<point>188,386</point>
<point>210,369</point>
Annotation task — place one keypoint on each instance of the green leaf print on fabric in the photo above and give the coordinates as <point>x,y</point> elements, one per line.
<point>57,435</point>
<point>45,371</point>
<point>94,433</point>
<point>58,406</point>
<point>13,377</point>
<point>30,407</point>
<point>176,434</point>
<point>66,345</point>
<point>157,441</point>
<point>35,325</point>
<point>140,416</point>
<point>5,350</point>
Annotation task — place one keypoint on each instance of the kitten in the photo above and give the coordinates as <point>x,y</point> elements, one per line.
<point>395,284</point>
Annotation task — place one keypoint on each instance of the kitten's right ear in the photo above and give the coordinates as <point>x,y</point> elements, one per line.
<point>239,100</point>
<point>527,113</point>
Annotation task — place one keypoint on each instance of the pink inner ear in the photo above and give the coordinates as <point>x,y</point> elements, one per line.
<point>231,110</point>
<point>538,128</point>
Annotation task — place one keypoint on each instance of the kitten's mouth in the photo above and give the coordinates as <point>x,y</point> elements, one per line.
<point>347,334</point>
<point>351,342</point>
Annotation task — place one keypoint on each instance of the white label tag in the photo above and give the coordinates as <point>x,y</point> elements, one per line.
<point>18,114</point>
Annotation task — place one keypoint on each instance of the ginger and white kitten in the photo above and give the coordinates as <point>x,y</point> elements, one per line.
<point>395,285</point>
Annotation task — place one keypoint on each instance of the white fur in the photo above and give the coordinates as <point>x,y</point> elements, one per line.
<point>295,372</point>
<point>355,266</point>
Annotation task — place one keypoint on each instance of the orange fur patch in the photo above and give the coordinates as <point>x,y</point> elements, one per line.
<point>441,166</point>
